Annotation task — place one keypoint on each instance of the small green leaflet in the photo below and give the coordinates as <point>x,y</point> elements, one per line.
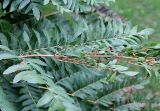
<point>15,68</point>
<point>14,5</point>
<point>3,39</point>
<point>65,1</point>
<point>45,99</point>
<point>119,68</point>
<point>130,73</point>
<point>134,30</point>
<point>147,31</point>
<point>36,12</point>
<point>111,77</point>
<point>7,56</point>
<point>36,61</point>
<point>38,36</point>
<point>29,76</point>
<point>23,4</point>
<point>157,47</point>
<point>6,3</point>
<point>5,48</point>
<point>46,2</point>
<point>27,39</point>
<point>57,105</point>
<point>102,65</point>
<point>112,62</point>
<point>37,68</point>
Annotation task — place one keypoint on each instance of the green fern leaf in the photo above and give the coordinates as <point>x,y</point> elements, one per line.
<point>5,105</point>
<point>15,68</point>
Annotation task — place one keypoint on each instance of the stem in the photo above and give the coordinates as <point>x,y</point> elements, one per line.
<point>35,55</point>
<point>62,56</point>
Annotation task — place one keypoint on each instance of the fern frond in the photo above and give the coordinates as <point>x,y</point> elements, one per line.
<point>29,95</point>
<point>72,61</point>
<point>5,104</point>
<point>35,7</point>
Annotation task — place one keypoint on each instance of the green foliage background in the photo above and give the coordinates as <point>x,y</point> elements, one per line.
<point>73,55</point>
<point>146,13</point>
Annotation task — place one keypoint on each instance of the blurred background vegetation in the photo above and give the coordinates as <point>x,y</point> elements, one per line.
<point>144,13</point>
